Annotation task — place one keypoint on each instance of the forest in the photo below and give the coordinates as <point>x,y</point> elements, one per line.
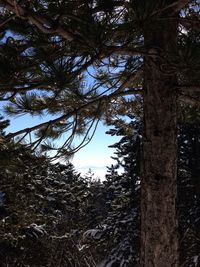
<point>133,65</point>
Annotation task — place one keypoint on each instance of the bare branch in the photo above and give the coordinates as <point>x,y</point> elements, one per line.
<point>131,51</point>
<point>19,89</point>
<point>188,89</point>
<point>180,4</point>
<point>84,142</point>
<point>189,100</point>
<point>4,98</point>
<point>176,6</point>
<point>6,21</point>
<point>40,22</point>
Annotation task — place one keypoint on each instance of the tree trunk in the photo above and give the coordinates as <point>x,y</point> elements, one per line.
<point>159,241</point>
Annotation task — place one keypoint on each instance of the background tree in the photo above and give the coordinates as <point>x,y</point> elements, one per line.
<point>188,194</point>
<point>121,227</point>
<point>117,234</point>
<point>44,208</point>
<point>123,221</point>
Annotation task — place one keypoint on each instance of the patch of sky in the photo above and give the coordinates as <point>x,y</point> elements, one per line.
<point>2,198</point>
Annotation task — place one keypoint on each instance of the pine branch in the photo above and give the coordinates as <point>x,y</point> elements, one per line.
<point>101,99</point>
<point>180,4</point>
<point>45,26</point>
<point>40,22</point>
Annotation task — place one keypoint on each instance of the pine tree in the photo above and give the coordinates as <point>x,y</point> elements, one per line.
<point>125,47</point>
<point>44,208</point>
<point>123,194</point>
<point>127,151</point>
<point>116,236</point>
<point>189,194</point>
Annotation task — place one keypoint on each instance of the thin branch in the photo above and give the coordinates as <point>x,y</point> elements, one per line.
<point>128,92</point>
<point>186,89</point>
<point>189,100</point>
<point>6,21</point>
<point>20,139</point>
<point>176,6</point>
<point>180,4</point>
<point>42,137</point>
<point>98,8</point>
<point>69,140</point>
<point>129,51</point>
<point>32,86</point>
<point>8,98</point>
<point>184,21</point>
<point>89,140</point>
<point>40,22</point>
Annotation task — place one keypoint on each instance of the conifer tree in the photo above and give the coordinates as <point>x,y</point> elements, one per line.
<point>44,208</point>
<point>123,193</point>
<point>188,193</point>
<point>125,47</point>
<point>117,186</point>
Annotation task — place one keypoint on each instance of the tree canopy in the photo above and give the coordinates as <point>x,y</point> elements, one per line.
<point>75,63</point>
<point>78,61</point>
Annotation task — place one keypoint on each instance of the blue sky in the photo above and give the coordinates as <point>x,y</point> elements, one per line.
<point>95,156</point>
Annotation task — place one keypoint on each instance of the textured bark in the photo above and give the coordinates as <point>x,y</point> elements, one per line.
<point>159,242</point>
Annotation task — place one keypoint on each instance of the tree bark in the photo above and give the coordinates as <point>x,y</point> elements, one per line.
<point>159,240</point>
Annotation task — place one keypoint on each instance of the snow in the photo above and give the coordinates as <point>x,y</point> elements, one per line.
<point>106,264</point>
<point>196,260</point>
<point>92,233</point>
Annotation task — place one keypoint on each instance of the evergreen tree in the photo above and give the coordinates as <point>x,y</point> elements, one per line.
<point>118,188</point>
<point>189,194</point>
<point>117,234</point>
<point>123,221</point>
<point>125,47</point>
<point>44,208</point>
